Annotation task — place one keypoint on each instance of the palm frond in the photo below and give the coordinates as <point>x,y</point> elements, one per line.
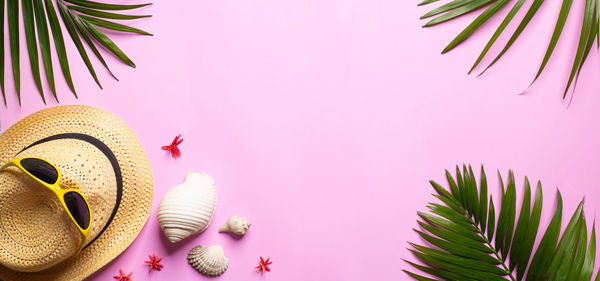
<point>465,242</point>
<point>457,8</point>
<point>84,21</point>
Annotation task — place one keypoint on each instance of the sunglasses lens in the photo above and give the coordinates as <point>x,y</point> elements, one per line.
<point>40,169</point>
<point>78,209</point>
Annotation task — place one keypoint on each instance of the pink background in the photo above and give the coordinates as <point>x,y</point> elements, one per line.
<point>323,120</point>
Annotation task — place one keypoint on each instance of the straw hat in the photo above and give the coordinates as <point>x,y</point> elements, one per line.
<point>97,154</point>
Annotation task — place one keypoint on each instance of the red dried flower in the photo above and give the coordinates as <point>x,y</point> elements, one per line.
<point>123,277</point>
<point>263,265</point>
<point>173,146</point>
<point>154,263</point>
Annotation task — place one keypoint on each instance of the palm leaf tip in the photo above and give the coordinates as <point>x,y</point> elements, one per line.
<point>107,43</point>
<point>560,23</point>
<point>113,25</point>
<point>589,30</point>
<point>459,241</point>
<point>106,6</point>
<point>425,2</point>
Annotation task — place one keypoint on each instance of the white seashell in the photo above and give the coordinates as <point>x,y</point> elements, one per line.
<point>236,225</point>
<point>210,261</point>
<point>188,208</point>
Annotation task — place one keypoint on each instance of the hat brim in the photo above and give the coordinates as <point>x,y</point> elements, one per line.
<point>137,192</point>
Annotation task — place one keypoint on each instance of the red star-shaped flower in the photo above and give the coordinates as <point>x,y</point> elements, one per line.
<point>173,146</point>
<point>154,263</point>
<point>263,265</point>
<point>123,277</point>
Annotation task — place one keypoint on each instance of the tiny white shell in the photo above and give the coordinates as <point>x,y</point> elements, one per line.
<point>210,261</point>
<point>188,208</point>
<point>236,224</point>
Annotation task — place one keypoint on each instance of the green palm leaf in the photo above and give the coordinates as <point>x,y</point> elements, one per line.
<point>44,38</point>
<point>84,21</point>
<point>59,44</point>
<point>462,10</point>
<point>560,24</point>
<point>106,42</point>
<point>457,8</point>
<point>479,21</point>
<point>499,31</point>
<point>13,34</point>
<point>75,37</point>
<point>445,8</point>
<point>106,15</point>
<point>113,25</point>
<point>104,6</point>
<point>588,33</point>
<point>32,44</point>
<point>460,245</point>
<point>86,38</point>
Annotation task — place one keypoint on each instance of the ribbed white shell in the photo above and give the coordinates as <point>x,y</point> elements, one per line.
<point>210,261</point>
<point>188,208</point>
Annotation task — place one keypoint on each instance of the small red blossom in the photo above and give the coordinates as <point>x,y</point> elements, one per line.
<point>263,265</point>
<point>173,146</point>
<point>154,263</point>
<point>123,277</point>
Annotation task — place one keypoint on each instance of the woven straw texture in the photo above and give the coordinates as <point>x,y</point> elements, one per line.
<point>84,167</point>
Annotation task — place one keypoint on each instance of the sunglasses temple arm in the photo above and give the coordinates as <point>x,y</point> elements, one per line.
<point>6,165</point>
<point>82,244</point>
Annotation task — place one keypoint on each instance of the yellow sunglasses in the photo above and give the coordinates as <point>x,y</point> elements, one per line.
<point>71,199</point>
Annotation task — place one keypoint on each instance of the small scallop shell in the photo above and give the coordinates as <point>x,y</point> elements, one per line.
<point>210,261</point>
<point>188,208</point>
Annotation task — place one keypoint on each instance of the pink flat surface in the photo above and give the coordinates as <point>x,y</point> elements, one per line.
<point>322,122</point>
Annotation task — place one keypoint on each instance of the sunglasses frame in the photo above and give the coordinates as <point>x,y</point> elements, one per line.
<point>59,192</point>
